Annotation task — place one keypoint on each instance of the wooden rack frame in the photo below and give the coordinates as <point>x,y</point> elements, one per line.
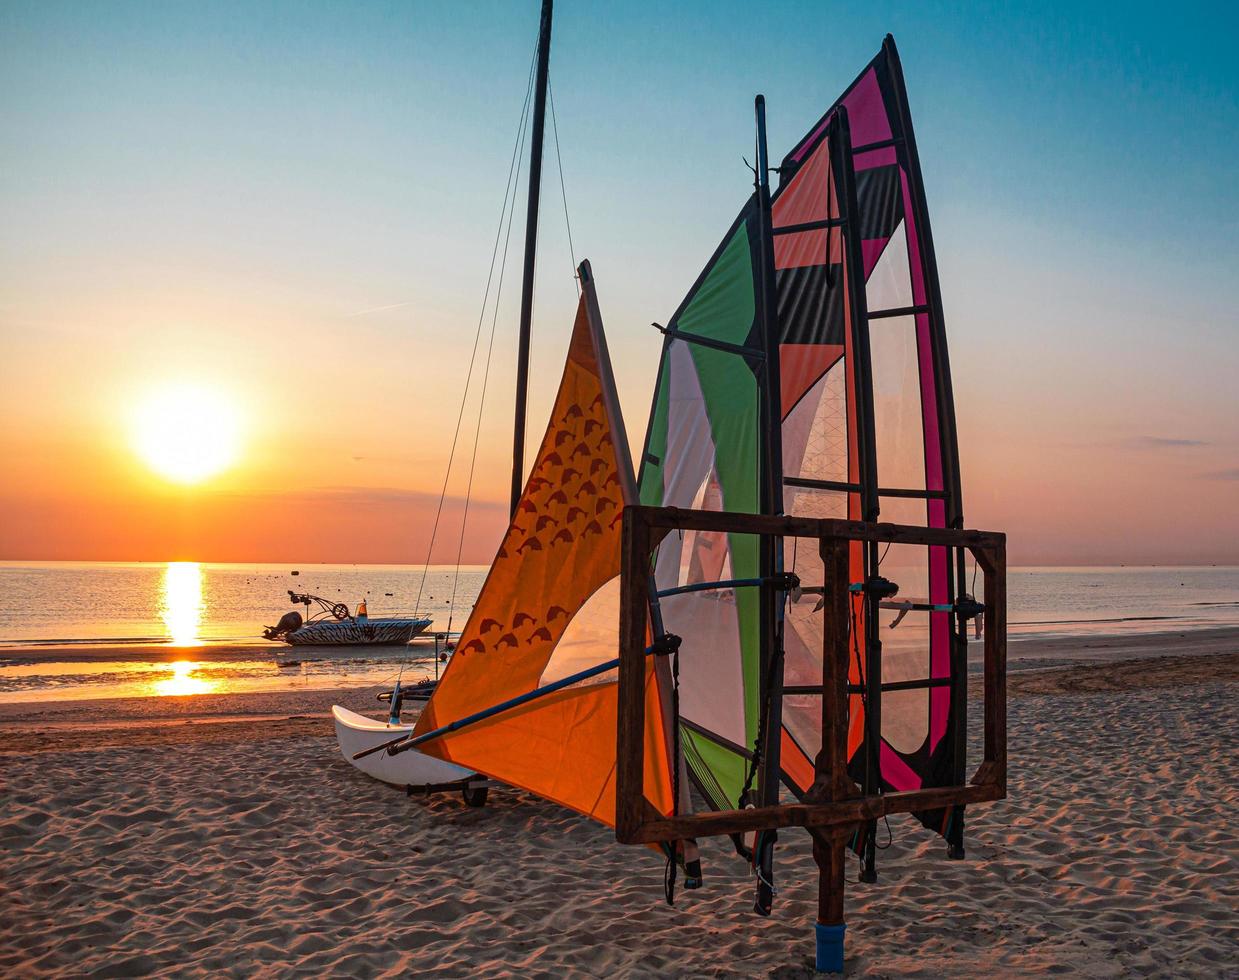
<point>834,804</point>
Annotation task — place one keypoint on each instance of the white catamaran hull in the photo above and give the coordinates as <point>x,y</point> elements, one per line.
<point>376,631</point>
<point>356,732</point>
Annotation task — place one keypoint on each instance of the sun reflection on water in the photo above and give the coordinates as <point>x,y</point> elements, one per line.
<point>183,681</point>
<point>181,602</point>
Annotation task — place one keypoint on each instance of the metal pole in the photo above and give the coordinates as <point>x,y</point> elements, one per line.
<point>858,311</point>
<point>531,251</point>
<point>770,555</point>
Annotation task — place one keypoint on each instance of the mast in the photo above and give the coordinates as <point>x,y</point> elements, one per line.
<point>840,136</point>
<point>531,251</point>
<point>770,555</point>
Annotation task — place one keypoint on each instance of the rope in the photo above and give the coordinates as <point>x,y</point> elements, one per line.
<point>508,193</point>
<point>477,432</point>
<point>560,165</point>
<point>763,722</point>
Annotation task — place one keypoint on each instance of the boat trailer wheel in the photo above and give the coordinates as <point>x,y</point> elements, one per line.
<point>474,796</point>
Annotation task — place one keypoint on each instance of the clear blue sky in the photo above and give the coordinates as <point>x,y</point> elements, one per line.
<point>286,166</point>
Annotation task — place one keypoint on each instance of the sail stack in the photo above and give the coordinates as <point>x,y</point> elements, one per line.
<point>867,428</point>
<point>549,611</point>
<point>804,376</point>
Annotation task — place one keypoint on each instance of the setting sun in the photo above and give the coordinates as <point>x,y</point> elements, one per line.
<point>186,432</point>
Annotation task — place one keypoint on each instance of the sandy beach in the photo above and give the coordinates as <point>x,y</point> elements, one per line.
<point>224,834</point>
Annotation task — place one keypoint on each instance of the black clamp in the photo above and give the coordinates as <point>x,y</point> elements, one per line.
<point>966,607</point>
<point>665,645</point>
<point>784,581</point>
<point>877,587</point>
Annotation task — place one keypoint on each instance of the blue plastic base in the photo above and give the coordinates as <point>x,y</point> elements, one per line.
<point>829,947</point>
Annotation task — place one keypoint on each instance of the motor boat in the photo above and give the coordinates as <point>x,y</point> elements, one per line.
<point>332,624</point>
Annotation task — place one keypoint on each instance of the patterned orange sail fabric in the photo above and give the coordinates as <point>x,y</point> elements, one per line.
<point>550,609</point>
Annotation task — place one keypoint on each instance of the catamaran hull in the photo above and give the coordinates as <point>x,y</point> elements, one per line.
<point>356,732</point>
<point>376,631</point>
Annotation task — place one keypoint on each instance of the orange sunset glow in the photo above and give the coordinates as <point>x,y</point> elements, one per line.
<point>244,337</point>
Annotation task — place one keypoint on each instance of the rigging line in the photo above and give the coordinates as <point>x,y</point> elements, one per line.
<point>831,207</point>
<point>563,193</point>
<point>464,398</point>
<point>490,347</point>
<point>699,768</point>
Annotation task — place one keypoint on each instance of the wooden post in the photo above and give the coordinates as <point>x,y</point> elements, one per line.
<point>630,747</point>
<point>831,783</point>
<point>993,561</point>
<point>829,853</point>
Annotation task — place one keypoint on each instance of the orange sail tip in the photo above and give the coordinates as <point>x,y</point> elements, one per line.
<point>550,609</point>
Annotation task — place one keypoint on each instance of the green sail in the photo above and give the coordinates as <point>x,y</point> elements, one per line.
<point>702,452</point>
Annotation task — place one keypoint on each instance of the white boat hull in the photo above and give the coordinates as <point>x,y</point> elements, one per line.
<point>356,732</point>
<point>350,633</point>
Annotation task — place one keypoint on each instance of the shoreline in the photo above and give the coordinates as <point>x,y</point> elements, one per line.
<point>1024,651</point>
<point>66,726</point>
<point>1020,647</point>
<point>120,651</point>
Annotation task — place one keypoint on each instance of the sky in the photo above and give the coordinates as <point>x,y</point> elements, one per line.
<point>293,206</point>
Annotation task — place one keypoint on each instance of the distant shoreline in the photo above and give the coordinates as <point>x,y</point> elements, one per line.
<point>151,652</point>
<point>1023,649</point>
<point>1025,652</point>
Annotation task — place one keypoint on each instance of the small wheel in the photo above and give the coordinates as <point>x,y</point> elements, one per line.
<point>474,796</point>
<point>340,611</point>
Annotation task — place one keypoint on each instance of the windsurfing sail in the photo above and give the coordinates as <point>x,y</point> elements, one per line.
<point>702,452</point>
<point>549,612</point>
<point>908,471</point>
<point>867,432</point>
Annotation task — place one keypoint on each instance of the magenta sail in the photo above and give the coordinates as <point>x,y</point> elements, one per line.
<point>868,433</point>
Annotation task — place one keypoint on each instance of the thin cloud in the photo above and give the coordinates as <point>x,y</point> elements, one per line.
<point>385,458</point>
<point>378,309</point>
<point>1160,442</point>
<point>364,496</point>
<point>1223,475</point>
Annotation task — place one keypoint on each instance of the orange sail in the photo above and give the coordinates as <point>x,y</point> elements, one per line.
<point>550,609</point>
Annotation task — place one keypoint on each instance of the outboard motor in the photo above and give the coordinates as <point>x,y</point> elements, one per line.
<point>397,701</point>
<point>289,623</point>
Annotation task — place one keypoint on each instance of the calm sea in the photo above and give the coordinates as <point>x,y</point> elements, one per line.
<point>220,609</point>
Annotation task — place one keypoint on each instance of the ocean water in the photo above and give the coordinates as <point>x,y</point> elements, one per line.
<point>214,615</point>
<point>191,603</point>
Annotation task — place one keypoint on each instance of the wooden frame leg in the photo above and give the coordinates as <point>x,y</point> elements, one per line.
<point>830,853</point>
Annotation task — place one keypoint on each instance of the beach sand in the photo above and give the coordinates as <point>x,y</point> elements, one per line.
<point>224,834</point>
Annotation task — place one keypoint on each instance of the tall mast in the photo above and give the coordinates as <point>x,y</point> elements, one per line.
<point>531,252</point>
<point>771,480</point>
